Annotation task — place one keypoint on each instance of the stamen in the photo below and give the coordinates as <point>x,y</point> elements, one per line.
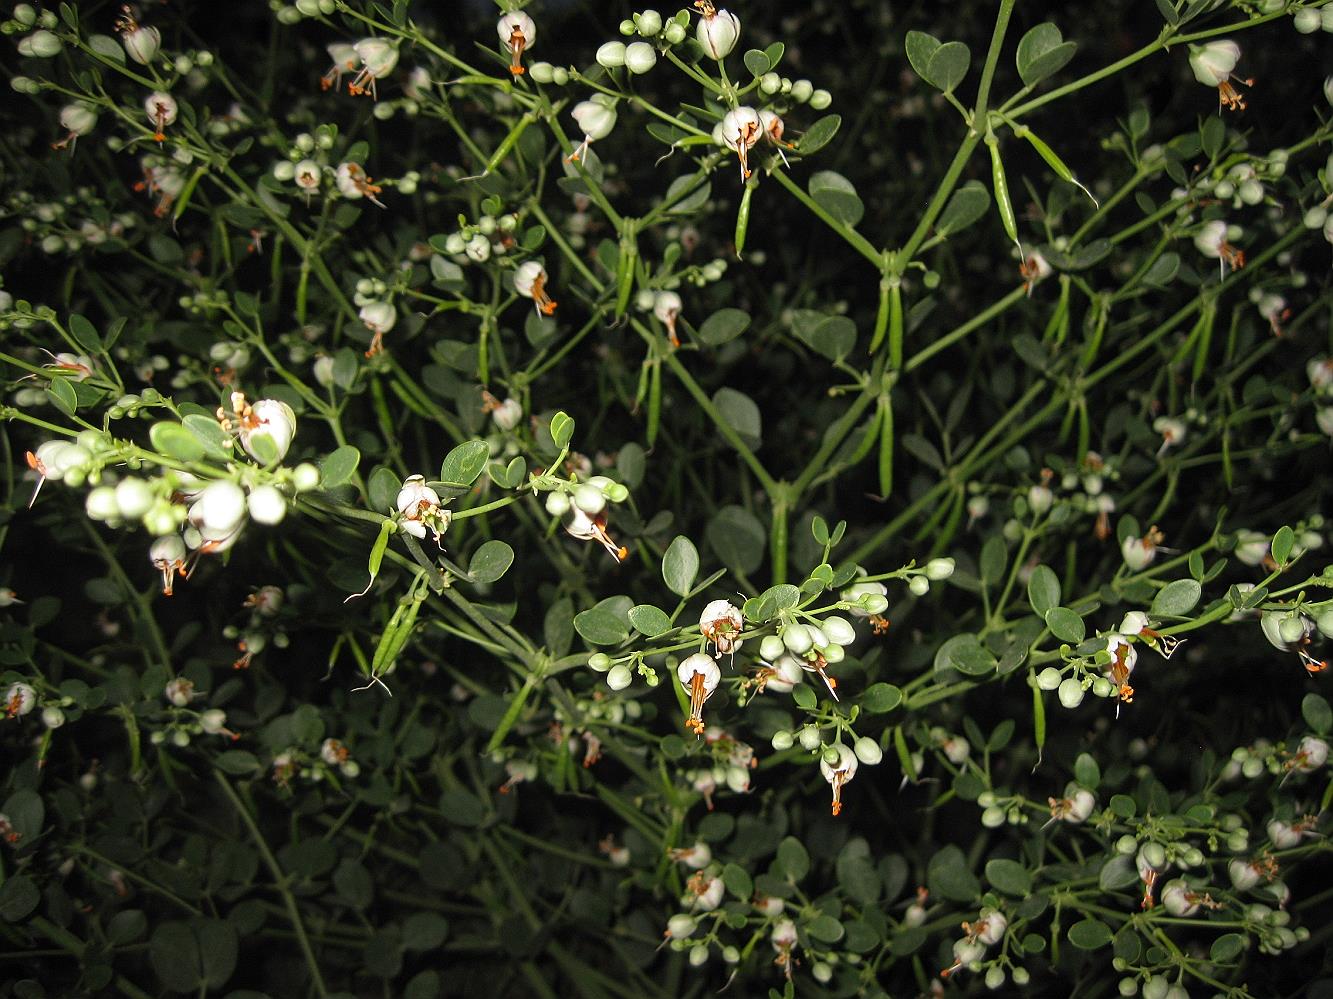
<point>517,43</point>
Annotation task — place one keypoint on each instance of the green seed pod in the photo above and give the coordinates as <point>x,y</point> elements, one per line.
<point>1001,188</point>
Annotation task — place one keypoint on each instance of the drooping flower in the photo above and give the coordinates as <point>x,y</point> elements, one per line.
<point>168,557</point>
<point>839,773</point>
<point>517,31</point>
<point>379,318</point>
<point>741,129</point>
<point>161,109</point>
<point>78,118</point>
<point>666,307</point>
<point>378,57</point>
<point>353,183</point>
<point>530,282</point>
<point>344,59</point>
<point>595,117</point>
<point>1213,64</point>
<point>592,527</point>
<point>699,675</point>
<point>1123,659</point>
<point>1211,241</point>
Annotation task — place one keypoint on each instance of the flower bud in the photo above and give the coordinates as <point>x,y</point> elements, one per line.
<point>770,647</point>
<point>1070,693</point>
<point>797,639</point>
<point>640,57</point>
<point>867,751</point>
<point>938,569</point>
<point>782,740</point>
<point>809,737</point>
<point>41,45</point>
<point>918,586</point>
<point>267,505</point>
<point>100,504</point>
<point>611,55</point>
<point>213,721</point>
<point>648,23</point>
<point>305,477</point>
<point>1049,678</point>
<point>1306,21</point>
<point>52,716</point>
<point>619,677</point>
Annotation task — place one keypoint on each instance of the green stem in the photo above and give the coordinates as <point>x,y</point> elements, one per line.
<point>279,881</point>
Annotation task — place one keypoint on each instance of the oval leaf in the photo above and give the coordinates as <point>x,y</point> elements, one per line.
<point>464,463</point>
<point>1177,598</point>
<point>680,565</point>
<point>649,620</point>
<point>723,325</point>
<point>835,194</point>
<point>1065,625</point>
<point>491,561</point>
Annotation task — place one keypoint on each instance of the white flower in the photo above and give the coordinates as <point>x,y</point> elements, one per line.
<point>506,414</point>
<point>741,129</point>
<point>353,183</point>
<point>78,118</point>
<point>699,675</point>
<point>1320,372</point>
<point>1123,659</point>
<point>344,59</point>
<point>378,58</point>
<point>1213,64</point>
<point>168,556</point>
<point>20,699</point>
<point>1244,874</point>
<point>1178,899</point>
<point>666,307</point>
<point>379,318</point>
<point>333,752</point>
<point>1211,241</point>
<point>179,692</point>
<point>839,773</point>
<point>595,117</point>
<point>530,282</point>
<point>517,31</point>
<point>8,598</point>
<point>721,623</point>
<point>307,175</point>
<point>697,856</point>
<point>1139,553</point>
<point>585,527</point>
<point>141,44</point>
<point>1310,756</point>
<point>267,429</point>
<point>705,894</point>
<point>1173,432</point>
<point>214,722</point>
<point>1285,835</point>
<point>989,927</point>
<point>420,508</point>
<point>717,30</point>
<point>161,109</point>
<point>1251,547</point>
